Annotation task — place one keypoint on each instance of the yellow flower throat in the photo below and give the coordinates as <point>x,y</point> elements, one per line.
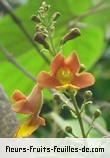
<point>64,76</point>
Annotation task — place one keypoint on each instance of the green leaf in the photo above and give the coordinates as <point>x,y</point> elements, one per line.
<point>101,17</point>
<point>77,7</point>
<point>12,78</point>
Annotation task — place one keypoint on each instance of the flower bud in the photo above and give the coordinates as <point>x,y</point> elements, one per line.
<point>97,113</point>
<point>75,32</point>
<point>87,95</point>
<point>43,3</point>
<point>46,8</point>
<point>40,38</point>
<point>35,19</point>
<point>56,16</point>
<point>68,129</point>
<point>57,99</point>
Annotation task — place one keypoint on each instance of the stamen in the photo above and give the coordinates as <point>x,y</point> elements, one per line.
<point>64,76</point>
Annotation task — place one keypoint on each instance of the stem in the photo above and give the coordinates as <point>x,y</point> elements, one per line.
<point>52,45</point>
<point>86,118</point>
<point>91,127</point>
<point>78,114</point>
<point>99,7</point>
<point>84,105</point>
<point>46,24</point>
<point>96,9</point>
<point>13,61</point>
<point>74,135</point>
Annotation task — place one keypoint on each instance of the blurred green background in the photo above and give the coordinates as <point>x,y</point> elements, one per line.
<point>93,47</point>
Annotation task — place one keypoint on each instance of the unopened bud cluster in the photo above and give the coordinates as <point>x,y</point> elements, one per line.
<point>43,26</point>
<point>41,32</point>
<point>43,9</point>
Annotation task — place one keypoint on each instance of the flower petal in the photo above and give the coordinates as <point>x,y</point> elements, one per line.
<point>25,129</point>
<point>47,81</point>
<point>23,107</point>
<point>83,80</point>
<point>35,99</point>
<point>37,120</point>
<point>29,126</point>
<point>57,63</point>
<point>41,121</point>
<point>18,95</point>
<point>73,62</point>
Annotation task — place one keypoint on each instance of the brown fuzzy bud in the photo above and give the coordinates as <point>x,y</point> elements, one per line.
<point>68,129</point>
<point>57,99</point>
<point>56,16</point>
<point>35,19</point>
<point>87,95</point>
<point>97,113</point>
<point>40,38</point>
<point>75,32</point>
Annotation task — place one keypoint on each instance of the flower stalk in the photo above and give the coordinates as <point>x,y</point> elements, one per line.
<point>78,114</point>
<point>91,127</point>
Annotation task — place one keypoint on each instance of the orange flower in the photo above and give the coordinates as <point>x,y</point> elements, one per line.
<point>30,105</point>
<point>65,74</point>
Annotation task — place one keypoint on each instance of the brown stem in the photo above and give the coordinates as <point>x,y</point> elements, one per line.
<point>98,8</point>
<point>102,6</point>
<point>12,60</point>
